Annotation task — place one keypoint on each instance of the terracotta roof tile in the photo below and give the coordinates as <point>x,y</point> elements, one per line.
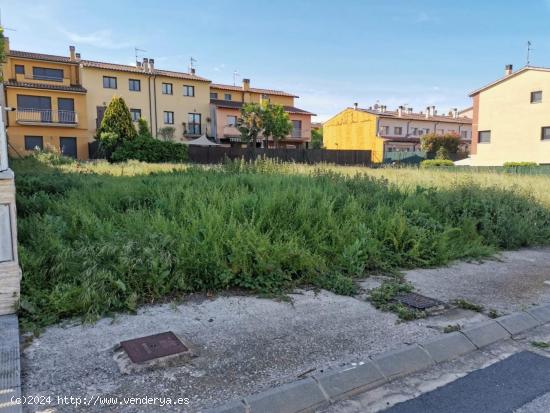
<point>135,69</point>
<point>74,88</point>
<point>417,116</point>
<point>231,104</point>
<point>252,89</point>
<point>41,56</point>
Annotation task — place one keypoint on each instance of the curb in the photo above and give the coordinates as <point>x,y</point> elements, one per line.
<point>10,369</point>
<point>320,390</point>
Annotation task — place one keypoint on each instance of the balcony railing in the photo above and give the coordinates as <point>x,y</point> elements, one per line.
<point>192,129</point>
<point>46,117</point>
<point>296,133</point>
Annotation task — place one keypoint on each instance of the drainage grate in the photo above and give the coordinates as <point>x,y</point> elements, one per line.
<point>143,349</point>
<point>418,301</point>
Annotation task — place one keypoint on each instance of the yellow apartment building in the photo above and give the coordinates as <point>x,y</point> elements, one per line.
<point>511,119</point>
<point>164,98</point>
<point>226,102</point>
<point>50,103</point>
<point>383,131</point>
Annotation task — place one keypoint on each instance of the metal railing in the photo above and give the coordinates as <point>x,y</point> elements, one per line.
<point>45,116</point>
<point>193,129</point>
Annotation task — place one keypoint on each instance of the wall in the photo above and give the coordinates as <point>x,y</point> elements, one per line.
<point>514,122</point>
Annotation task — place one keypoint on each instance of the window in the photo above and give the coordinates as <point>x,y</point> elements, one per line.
<point>188,90</point>
<point>34,102</point>
<point>384,130</point>
<point>536,97</point>
<point>414,131</point>
<point>45,73</point>
<point>441,131</point>
<point>136,114</point>
<point>20,69</point>
<point>397,130</point>
<point>427,130</point>
<point>32,142</point>
<point>169,118</point>
<point>227,96</point>
<point>213,95</point>
<point>231,120</point>
<point>296,128</point>
<point>66,112</point>
<point>194,125</point>
<point>484,136</point>
<point>167,89</point>
<point>545,133</point>
<point>134,85</point>
<point>464,134</point>
<point>109,82</point>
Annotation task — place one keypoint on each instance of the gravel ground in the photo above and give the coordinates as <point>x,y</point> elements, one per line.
<point>247,344</point>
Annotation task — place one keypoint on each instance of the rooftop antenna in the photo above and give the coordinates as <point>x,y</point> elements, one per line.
<point>136,50</point>
<point>235,76</point>
<point>191,63</point>
<point>5,28</point>
<point>528,52</point>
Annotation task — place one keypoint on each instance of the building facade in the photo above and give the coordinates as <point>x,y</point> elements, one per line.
<point>60,102</point>
<point>226,102</point>
<point>50,103</point>
<point>382,131</point>
<point>510,118</point>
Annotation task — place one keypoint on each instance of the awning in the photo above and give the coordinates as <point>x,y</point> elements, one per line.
<point>202,141</point>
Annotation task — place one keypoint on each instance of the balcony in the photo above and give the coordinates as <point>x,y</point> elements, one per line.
<point>296,133</point>
<point>192,129</point>
<point>46,117</point>
<point>231,131</point>
<point>64,81</point>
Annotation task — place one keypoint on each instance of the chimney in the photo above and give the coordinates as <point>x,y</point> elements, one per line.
<point>193,71</point>
<point>246,84</point>
<point>455,113</point>
<point>138,64</point>
<point>400,111</point>
<point>151,65</point>
<point>72,54</point>
<point>355,106</point>
<point>410,111</point>
<point>434,112</point>
<point>508,69</point>
<point>77,55</point>
<point>145,64</point>
<point>428,111</point>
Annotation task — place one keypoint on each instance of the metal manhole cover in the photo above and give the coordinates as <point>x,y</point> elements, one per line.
<point>151,347</point>
<point>418,301</point>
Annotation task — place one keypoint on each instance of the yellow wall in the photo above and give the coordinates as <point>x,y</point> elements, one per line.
<point>70,71</point>
<point>353,129</point>
<point>514,122</point>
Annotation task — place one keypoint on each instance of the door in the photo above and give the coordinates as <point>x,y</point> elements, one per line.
<point>65,107</point>
<point>68,146</point>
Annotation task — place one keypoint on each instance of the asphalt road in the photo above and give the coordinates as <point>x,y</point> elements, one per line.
<point>518,382</point>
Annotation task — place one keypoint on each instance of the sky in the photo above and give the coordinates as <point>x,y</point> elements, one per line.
<point>330,53</point>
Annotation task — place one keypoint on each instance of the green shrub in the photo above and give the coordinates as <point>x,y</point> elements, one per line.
<point>432,143</point>
<point>146,149</point>
<point>520,164</point>
<point>435,163</point>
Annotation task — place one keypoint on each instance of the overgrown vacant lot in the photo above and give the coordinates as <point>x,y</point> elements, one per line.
<point>94,240</point>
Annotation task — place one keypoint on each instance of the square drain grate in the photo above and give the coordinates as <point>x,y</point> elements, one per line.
<point>418,301</point>
<point>143,349</point>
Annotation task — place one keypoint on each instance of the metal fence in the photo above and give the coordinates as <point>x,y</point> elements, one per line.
<point>218,154</point>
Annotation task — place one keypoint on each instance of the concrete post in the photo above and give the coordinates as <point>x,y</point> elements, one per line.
<point>10,273</point>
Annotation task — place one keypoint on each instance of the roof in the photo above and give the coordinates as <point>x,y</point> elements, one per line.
<point>73,88</point>
<point>41,56</point>
<point>466,109</point>
<point>252,89</point>
<point>231,104</point>
<point>507,77</point>
<point>135,69</point>
<point>416,116</point>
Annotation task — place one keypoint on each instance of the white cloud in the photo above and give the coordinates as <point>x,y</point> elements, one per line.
<point>102,39</point>
<point>219,68</point>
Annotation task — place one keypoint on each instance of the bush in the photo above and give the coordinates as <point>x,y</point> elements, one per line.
<point>432,143</point>
<point>167,133</point>
<point>520,164</point>
<point>146,149</point>
<point>434,163</point>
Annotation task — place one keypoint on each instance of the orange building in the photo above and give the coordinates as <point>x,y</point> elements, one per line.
<point>226,102</point>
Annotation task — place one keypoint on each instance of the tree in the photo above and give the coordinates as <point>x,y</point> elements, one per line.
<point>317,138</point>
<point>250,123</point>
<point>117,120</point>
<point>143,129</point>
<point>275,123</point>
<point>167,133</point>
<point>433,143</point>
<point>2,52</point>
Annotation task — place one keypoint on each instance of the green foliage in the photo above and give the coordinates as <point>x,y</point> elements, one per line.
<point>431,144</point>
<point>431,163</point>
<point>143,128</point>
<point>117,121</point>
<point>442,153</point>
<point>250,123</point>
<point>2,52</point>
<point>521,165</point>
<point>466,305</point>
<point>275,122</point>
<point>452,328</point>
<point>540,344</point>
<point>316,138</point>
<point>148,149</point>
<point>94,244</point>
<point>167,133</point>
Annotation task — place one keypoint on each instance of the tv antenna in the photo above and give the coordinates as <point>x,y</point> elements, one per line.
<point>235,76</point>
<point>136,50</point>
<point>528,52</point>
<point>192,61</point>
